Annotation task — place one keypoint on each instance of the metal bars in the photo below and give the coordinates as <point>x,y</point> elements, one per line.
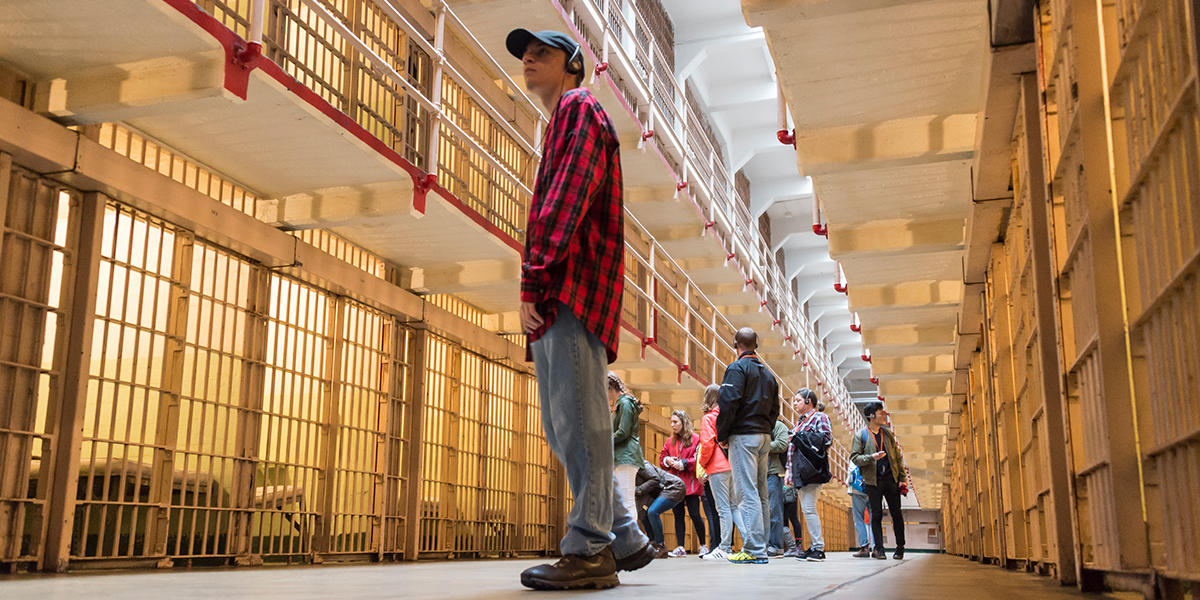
<point>37,224</point>
<point>1155,92</point>
<point>1108,458</point>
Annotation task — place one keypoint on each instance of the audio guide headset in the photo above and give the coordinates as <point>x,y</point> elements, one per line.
<point>574,64</point>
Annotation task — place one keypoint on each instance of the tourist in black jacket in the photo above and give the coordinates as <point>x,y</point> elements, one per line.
<point>749,407</point>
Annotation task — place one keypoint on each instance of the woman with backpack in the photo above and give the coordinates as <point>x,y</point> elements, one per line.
<point>678,457</point>
<point>808,465</point>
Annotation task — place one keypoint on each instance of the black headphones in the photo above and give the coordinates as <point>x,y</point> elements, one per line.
<point>574,64</point>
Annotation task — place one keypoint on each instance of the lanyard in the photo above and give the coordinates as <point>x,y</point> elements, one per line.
<point>809,419</point>
<point>878,440</point>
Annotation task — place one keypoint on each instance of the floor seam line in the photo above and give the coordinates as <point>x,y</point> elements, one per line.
<point>854,581</point>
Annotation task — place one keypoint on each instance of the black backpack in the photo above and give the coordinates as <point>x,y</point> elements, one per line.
<point>810,459</point>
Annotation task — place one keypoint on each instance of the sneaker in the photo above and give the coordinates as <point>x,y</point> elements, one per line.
<point>791,552</point>
<point>716,554</point>
<point>773,552</point>
<point>574,572</point>
<point>638,559</point>
<point>879,554</point>
<point>899,555</point>
<point>742,558</point>
<point>802,554</point>
<point>702,552</point>
<point>862,553</point>
<point>660,551</point>
<point>677,552</point>
<point>815,555</point>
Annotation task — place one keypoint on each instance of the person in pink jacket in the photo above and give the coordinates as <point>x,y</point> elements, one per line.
<point>678,457</point>
<point>718,490</point>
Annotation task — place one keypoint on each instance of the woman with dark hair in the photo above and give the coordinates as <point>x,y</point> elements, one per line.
<point>678,457</point>
<point>627,447</point>
<point>718,490</point>
<point>808,465</point>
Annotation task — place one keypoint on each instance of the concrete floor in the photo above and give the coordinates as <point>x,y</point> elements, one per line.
<point>919,576</point>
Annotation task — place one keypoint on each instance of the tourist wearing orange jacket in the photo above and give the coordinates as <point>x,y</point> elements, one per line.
<point>718,490</point>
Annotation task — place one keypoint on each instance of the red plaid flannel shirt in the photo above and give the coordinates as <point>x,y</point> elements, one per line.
<point>575,238</point>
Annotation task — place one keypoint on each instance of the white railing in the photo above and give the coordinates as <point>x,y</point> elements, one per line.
<point>443,67</point>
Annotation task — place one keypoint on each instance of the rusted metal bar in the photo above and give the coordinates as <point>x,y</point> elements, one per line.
<point>414,440</point>
<point>251,390</point>
<point>331,419</point>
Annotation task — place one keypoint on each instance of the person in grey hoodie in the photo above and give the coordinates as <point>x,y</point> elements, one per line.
<point>627,447</point>
<point>658,491</point>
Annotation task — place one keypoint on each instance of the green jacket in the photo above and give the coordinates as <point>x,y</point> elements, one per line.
<point>627,448</point>
<point>860,454</point>
<point>780,436</point>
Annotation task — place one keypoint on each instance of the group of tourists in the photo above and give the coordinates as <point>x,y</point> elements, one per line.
<point>747,467</point>
<point>751,470</point>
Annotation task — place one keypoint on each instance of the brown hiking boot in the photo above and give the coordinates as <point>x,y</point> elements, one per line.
<point>574,572</point>
<point>862,553</point>
<point>638,559</point>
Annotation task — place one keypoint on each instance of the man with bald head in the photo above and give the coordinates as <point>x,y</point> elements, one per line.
<point>749,407</point>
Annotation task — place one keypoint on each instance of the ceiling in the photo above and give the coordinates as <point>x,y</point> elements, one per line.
<point>729,67</point>
<point>884,98</point>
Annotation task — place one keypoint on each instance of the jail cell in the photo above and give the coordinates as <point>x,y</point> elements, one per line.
<point>1157,134</point>
<point>1075,41</point>
<point>39,225</point>
<point>1006,381</point>
<point>1037,404</point>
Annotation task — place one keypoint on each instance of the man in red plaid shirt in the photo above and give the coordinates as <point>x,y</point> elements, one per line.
<point>571,283</point>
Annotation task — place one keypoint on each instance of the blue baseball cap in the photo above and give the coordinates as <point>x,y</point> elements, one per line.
<point>518,40</point>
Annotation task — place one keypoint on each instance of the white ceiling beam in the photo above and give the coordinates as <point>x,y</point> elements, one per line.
<point>688,61</point>
<point>737,97</point>
<point>796,259</point>
<point>764,193</point>
<point>727,39</point>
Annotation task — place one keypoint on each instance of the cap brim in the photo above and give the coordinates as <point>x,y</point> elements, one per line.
<point>518,40</point>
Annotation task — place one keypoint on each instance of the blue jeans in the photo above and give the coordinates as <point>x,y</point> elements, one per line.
<point>654,518</point>
<point>775,497</point>
<point>748,457</point>
<point>812,521</point>
<point>858,504</point>
<point>571,365</point>
<point>720,484</point>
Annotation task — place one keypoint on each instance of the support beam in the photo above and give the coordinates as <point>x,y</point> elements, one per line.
<point>129,91</point>
<point>897,237</point>
<point>908,335</point>
<point>67,415</point>
<point>914,293</point>
<point>1047,353</point>
<point>763,194</point>
<point>899,142</point>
